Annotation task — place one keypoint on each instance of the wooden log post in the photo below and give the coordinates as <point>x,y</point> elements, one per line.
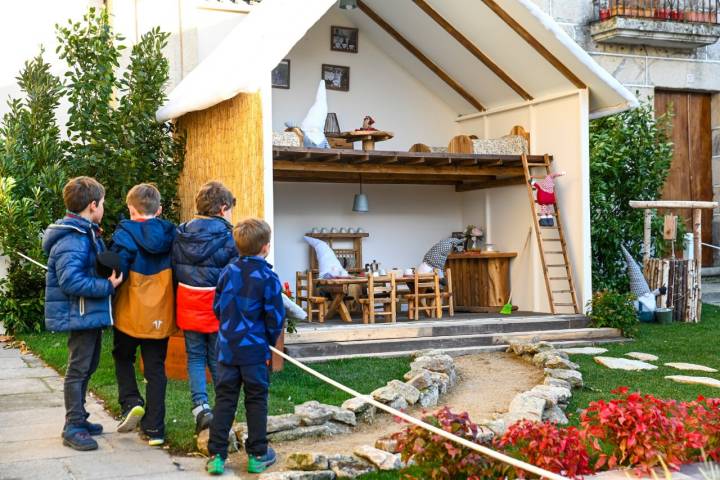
<point>697,257</point>
<point>647,228</point>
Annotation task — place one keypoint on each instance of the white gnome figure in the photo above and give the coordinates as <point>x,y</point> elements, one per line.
<point>314,122</point>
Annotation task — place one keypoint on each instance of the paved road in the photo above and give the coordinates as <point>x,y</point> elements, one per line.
<point>31,418</point>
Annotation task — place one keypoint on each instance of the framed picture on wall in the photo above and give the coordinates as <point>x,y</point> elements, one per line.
<point>281,75</point>
<point>344,39</point>
<point>336,77</point>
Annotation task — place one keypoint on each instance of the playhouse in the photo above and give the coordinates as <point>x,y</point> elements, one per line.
<point>442,81</point>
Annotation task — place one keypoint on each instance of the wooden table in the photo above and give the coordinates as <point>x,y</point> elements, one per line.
<point>367,137</point>
<point>338,288</point>
<point>481,280</point>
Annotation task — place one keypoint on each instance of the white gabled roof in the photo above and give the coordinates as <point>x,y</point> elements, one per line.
<point>245,58</point>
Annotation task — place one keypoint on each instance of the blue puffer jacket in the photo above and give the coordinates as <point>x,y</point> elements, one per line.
<point>203,247</point>
<point>250,308</point>
<point>75,297</point>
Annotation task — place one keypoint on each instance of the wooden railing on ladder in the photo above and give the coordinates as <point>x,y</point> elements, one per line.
<point>553,249</point>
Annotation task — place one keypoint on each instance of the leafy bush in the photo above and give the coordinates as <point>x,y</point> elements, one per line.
<point>547,446</point>
<point>439,458</point>
<point>111,134</point>
<point>631,430</point>
<point>614,310</point>
<point>630,156</point>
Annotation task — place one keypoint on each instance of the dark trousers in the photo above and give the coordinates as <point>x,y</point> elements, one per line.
<point>255,380</point>
<point>83,358</point>
<point>153,355</point>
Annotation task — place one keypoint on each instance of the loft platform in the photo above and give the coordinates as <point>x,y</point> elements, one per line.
<point>333,165</point>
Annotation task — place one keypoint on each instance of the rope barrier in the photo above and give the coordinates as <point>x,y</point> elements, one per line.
<point>410,419</point>
<point>711,246</point>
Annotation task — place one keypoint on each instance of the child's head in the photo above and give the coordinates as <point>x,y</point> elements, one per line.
<point>143,201</point>
<point>85,196</point>
<point>252,237</point>
<point>215,200</point>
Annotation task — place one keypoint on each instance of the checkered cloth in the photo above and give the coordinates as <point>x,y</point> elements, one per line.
<point>638,284</point>
<point>437,255</point>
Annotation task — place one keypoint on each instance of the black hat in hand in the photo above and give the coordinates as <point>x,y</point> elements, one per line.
<point>107,262</point>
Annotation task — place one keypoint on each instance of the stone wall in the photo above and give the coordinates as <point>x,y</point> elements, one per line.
<point>642,69</point>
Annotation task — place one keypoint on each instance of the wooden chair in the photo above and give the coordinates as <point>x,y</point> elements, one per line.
<point>447,300</point>
<point>424,296</point>
<point>381,293</point>
<point>304,292</point>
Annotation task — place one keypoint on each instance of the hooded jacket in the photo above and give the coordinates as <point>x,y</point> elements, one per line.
<point>250,307</point>
<point>145,302</point>
<point>76,298</point>
<point>203,247</point>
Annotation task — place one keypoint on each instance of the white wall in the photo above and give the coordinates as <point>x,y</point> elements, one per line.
<point>557,126</point>
<point>378,87</point>
<point>404,221</point>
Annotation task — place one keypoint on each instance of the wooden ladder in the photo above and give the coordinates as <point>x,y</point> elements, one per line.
<point>555,283</point>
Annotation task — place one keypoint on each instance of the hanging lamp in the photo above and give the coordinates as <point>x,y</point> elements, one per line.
<point>348,4</point>
<point>360,202</point>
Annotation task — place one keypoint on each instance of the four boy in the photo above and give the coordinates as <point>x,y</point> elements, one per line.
<point>152,257</point>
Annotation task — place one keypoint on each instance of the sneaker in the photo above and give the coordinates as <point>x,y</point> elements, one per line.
<point>203,417</point>
<point>131,419</point>
<point>215,465</point>
<point>79,439</point>
<point>93,428</point>
<point>156,441</point>
<point>260,463</point>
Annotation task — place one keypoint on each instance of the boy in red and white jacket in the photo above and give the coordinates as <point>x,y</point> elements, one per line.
<point>203,247</point>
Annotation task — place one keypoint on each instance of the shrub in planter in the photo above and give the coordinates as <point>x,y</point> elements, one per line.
<point>545,445</point>
<point>614,310</point>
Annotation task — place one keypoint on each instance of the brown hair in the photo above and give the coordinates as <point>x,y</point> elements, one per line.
<point>79,192</point>
<point>145,197</point>
<point>211,197</point>
<point>251,235</point>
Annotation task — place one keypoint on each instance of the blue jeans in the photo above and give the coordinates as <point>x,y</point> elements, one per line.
<point>201,349</point>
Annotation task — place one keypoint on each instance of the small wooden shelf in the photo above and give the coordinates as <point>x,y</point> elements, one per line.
<point>338,235</point>
<point>352,250</point>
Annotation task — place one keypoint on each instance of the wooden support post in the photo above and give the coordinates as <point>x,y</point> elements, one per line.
<point>697,256</point>
<point>647,228</point>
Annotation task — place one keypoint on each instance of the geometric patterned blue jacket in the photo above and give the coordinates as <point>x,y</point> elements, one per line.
<point>248,303</point>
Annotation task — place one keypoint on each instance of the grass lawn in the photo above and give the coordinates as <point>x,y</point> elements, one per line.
<point>680,342</point>
<point>287,388</point>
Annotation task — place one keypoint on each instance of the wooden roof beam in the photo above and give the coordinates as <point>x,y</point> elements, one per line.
<point>290,166</point>
<point>539,47</point>
<point>472,48</point>
<point>420,56</point>
<point>502,182</point>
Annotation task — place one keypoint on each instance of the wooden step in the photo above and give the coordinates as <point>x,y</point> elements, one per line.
<point>466,343</point>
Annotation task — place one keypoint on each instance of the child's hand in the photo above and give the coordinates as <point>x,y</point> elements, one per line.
<point>115,279</point>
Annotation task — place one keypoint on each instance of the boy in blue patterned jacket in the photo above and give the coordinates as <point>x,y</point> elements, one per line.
<point>248,303</point>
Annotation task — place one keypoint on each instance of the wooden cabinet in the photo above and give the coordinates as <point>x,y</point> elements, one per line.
<point>481,280</point>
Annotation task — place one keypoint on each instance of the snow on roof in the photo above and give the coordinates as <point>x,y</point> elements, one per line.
<point>244,60</point>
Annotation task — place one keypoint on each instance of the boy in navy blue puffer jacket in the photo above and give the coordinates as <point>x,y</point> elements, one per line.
<point>248,303</point>
<point>77,300</point>
<point>202,248</point>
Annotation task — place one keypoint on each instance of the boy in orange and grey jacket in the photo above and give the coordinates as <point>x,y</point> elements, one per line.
<point>144,311</point>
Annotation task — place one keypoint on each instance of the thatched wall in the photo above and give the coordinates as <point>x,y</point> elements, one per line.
<point>224,142</point>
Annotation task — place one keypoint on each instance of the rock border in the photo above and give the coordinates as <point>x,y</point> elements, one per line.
<point>546,401</point>
<point>432,374</point>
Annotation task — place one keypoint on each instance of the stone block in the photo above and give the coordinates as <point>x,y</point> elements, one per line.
<point>399,404</point>
<point>552,395</point>
<point>716,142</point>
<point>421,381</point>
<point>337,428</point>
<point>346,466</point>
<point>429,397</point>
<point>363,410</point>
<point>674,74</point>
<point>554,414</point>
<point>624,68</point>
<point>313,413</point>
<point>387,443</point>
<point>556,382</point>
<point>573,377</point>
<point>343,415</point>
<point>527,406</point>
<point>381,459</point>
<point>278,423</point>
<point>395,389</point>
<point>298,475</point>
<point>300,432</point>
<point>624,364</point>
<point>437,363</point>
<point>307,461</point>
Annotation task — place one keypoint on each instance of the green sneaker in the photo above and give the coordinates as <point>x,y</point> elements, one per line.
<point>260,463</point>
<point>215,465</point>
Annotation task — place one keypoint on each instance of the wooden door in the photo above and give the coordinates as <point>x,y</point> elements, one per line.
<point>690,176</point>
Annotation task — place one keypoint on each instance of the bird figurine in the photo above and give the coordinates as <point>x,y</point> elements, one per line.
<point>367,124</point>
<point>314,122</point>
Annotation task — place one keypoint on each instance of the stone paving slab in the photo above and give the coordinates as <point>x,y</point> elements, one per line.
<point>23,385</point>
<point>20,401</point>
<point>32,415</point>
<point>27,372</point>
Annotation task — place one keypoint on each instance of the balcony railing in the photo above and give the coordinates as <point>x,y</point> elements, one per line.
<point>693,11</point>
